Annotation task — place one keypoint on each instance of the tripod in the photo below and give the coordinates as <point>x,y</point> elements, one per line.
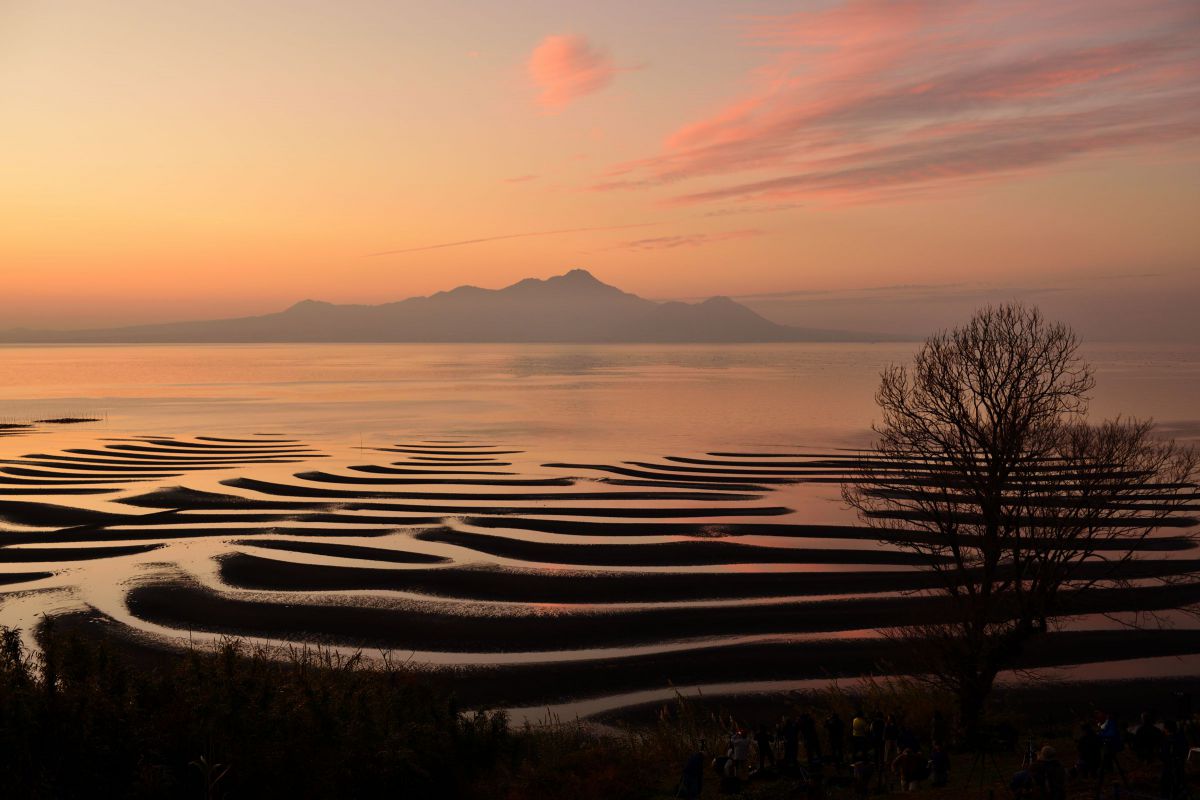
<point>983,757</point>
<point>1030,753</point>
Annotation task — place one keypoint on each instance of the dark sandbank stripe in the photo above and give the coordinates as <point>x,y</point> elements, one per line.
<point>247,571</point>
<point>228,444</point>
<point>249,441</point>
<point>672,468</point>
<point>181,497</point>
<point>381,470</point>
<point>81,465</point>
<point>636,473</point>
<point>205,452</point>
<point>465,469</point>
<point>50,514</point>
<point>462,454</point>
<point>62,490</point>
<point>178,461</point>
<point>433,445</point>
<point>7,480</point>
<point>665,554</point>
<point>1049,522</point>
<point>346,551</point>
<point>8,578</point>
<point>166,532</point>
<point>136,451</point>
<point>466,462</point>
<point>15,555</point>
<point>186,605</point>
<point>708,487</point>
<point>326,477</point>
<point>798,531</point>
<point>288,490</point>
<point>119,473</point>
<point>528,684</point>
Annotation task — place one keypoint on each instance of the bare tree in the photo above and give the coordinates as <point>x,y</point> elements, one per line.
<point>986,467</point>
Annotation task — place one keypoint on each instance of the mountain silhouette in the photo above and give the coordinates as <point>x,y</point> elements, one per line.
<point>573,307</point>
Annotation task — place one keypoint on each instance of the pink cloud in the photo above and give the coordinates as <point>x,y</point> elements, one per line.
<point>521,178</point>
<point>868,98</point>
<point>567,67</point>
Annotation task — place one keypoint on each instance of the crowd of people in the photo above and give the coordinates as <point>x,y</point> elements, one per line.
<point>887,752</point>
<point>871,752</point>
<point>1099,748</point>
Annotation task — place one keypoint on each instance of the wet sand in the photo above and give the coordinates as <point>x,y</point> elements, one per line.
<point>428,626</point>
<point>525,684</point>
<point>539,586</point>
<point>553,579</point>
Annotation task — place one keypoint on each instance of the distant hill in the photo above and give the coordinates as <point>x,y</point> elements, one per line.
<point>574,307</point>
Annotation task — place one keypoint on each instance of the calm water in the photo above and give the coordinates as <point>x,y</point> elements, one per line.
<point>424,467</point>
<point>577,396</point>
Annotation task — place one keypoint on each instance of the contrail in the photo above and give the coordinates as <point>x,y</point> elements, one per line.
<point>512,236</point>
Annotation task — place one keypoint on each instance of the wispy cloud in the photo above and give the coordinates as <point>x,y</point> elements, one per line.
<point>521,178</point>
<point>499,237</point>
<point>732,211</point>
<point>566,67</point>
<point>870,98</point>
<point>686,240</point>
<point>921,294</point>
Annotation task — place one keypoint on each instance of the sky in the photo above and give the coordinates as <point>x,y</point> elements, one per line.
<point>871,164</point>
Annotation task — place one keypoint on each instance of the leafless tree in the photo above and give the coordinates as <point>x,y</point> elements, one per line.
<point>986,467</point>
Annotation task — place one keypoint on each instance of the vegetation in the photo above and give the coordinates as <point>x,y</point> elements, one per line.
<point>87,719</point>
<point>80,720</point>
<point>84,717</point>
<point>987,469</point>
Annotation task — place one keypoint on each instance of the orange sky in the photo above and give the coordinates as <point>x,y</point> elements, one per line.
<point>169,160</point>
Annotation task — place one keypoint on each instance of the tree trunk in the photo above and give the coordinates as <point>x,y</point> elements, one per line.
<point>972,699</point>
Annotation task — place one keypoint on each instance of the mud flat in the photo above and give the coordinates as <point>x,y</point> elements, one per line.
<point>525,580</point>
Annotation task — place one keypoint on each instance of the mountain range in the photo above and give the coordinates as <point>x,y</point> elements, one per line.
<point>573,307</point>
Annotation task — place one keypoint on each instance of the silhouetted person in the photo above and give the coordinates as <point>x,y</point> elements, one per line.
<point>739,752</point>
<point>728,782</point>
<point>877,726</point>
<point>1087,750</point>
<point>762,738</point>
<point>1022,784</point>
<point>891,739</point>
<point>860,778</point>
<point>910,768</point>
<point>939,766</point>
<point>860,736</point>
<point>1174,753</point>
<point>691,783</point>
<point>808,735</point>
<point>791,741</point>
<point>1147,739</point>
<point>1111,745</point>
<point>1049,777</point>
<point>939,731</point>
<point>835,729</point>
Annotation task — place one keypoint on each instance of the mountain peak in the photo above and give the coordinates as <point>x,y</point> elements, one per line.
<point>309,305</point>
<point>572,307</point>
<point>577,275</point>
<point>576,282</point>
<point>574,279</point>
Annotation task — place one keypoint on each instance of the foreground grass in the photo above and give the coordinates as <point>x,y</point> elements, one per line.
<point>85,718</point>
<point>82,719</point>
